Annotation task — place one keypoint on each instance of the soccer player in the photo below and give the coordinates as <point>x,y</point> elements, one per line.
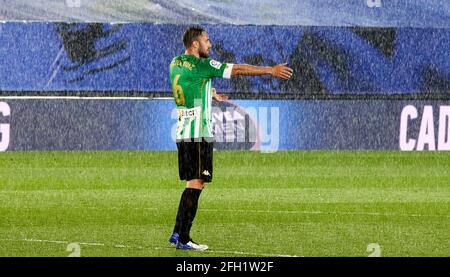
<point>190,75</point>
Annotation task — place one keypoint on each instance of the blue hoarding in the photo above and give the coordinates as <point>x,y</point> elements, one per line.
<point>266,125</point>
<point>133,59</point>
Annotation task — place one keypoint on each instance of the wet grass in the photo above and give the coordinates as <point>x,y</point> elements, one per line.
<point>299,203</point>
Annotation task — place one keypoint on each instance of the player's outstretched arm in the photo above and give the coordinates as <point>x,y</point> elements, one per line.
<point>281,71</point>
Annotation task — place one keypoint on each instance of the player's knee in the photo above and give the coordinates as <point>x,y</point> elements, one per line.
<point>195,184</point>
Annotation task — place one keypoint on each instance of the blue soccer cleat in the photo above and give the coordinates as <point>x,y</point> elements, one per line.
<point>174,238</point>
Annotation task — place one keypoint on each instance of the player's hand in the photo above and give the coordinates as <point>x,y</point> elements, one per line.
<point>282,71</point>
<point>219,97</point>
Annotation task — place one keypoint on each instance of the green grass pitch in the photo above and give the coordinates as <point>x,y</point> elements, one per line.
<point>295,203</point>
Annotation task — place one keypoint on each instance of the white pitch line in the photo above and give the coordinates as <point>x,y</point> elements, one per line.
<point>141,247</point>
<point>63,242</point>
<point>321,212</point>
<point>250,254</point>
<point>283,212</point>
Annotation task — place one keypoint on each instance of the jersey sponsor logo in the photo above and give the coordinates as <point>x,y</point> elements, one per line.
<point>189,113</point>
<point>215,64</point>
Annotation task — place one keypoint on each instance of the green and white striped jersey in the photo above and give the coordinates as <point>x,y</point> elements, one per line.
<point>191,85</point>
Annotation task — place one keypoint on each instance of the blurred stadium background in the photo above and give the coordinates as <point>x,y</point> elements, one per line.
<point>327,175</point>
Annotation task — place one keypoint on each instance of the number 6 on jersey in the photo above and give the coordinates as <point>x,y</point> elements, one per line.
<point>178,91</point>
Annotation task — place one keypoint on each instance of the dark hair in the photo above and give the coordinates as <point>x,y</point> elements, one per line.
<point>191,34</point>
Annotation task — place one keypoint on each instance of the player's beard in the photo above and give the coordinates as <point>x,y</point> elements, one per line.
<point>203,54</point>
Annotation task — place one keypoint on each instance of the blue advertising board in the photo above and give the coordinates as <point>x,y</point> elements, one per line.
<point>133,59</point>
<point>261,125</point>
